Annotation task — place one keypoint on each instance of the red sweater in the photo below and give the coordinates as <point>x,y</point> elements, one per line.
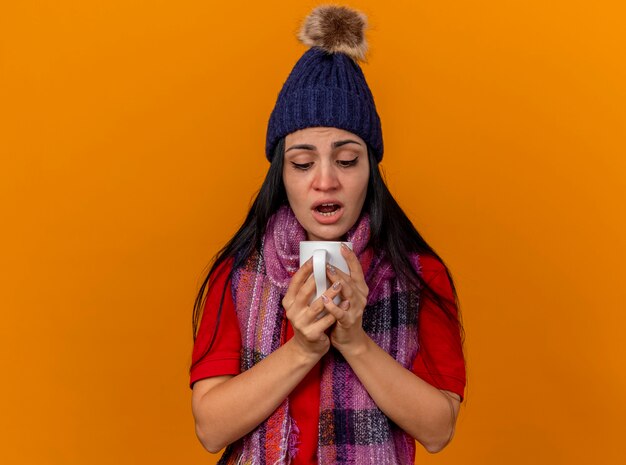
<point>442,341</point>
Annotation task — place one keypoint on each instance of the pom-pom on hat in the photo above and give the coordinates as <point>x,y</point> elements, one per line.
<point>327,87</point>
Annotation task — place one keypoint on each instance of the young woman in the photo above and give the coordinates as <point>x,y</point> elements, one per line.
<point>273,381</point>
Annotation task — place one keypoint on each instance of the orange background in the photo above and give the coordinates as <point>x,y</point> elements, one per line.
<point>132,140</point>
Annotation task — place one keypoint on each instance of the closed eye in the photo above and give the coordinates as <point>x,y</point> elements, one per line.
<point>348,163</point>
<point>302,166</point>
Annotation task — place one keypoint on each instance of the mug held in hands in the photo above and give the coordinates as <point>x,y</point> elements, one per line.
<point>323,252</point>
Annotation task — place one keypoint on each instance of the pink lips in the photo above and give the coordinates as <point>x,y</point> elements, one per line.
<point>328,218</point>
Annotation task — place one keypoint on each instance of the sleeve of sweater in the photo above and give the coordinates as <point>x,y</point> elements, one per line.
<point>224,356</point>
<point>444,364</point>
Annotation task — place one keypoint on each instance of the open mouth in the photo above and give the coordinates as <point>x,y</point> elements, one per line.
<point>327,209</point>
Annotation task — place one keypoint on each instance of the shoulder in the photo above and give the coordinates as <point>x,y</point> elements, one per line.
<point>435,275</point>
<point>222,271</point>
<point>430,267</point>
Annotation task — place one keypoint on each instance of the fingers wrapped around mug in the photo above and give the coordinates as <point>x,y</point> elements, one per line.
<point>340,312</point>
<point>299,279</point>
<point>298,296</point>
<point>318,306</point>
<point>353,287</point>
<point>347,334</point>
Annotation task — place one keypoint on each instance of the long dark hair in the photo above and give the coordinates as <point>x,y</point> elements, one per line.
<point>391,232</point>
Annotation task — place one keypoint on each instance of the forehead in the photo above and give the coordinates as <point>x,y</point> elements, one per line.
<point>321,134</point>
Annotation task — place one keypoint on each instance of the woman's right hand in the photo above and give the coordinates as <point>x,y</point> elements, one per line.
<point>309,329</point>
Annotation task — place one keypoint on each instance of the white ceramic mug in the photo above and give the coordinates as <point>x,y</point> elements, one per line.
<point>323,252</point>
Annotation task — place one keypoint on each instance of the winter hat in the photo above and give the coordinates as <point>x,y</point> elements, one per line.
<point>327,87</point>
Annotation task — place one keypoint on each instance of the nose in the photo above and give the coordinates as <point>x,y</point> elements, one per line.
<point>326,178</point>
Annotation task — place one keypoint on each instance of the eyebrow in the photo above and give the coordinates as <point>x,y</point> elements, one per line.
<point>336,144</point>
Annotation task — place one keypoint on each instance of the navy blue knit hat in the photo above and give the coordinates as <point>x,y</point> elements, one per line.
<point>326,86</point>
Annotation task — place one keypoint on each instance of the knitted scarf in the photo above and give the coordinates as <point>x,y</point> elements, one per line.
<point>352,430</point>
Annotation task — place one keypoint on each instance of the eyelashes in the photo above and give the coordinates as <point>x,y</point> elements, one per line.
<point>340,163</point>
<point>347,163</point>
<point>301,166</point>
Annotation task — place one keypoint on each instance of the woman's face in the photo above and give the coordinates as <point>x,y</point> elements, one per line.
<point>325,173</point>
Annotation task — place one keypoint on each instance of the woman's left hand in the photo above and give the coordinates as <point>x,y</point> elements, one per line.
<point>348,334</point>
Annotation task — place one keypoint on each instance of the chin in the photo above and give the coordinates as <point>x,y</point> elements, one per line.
<point>329,233</point>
